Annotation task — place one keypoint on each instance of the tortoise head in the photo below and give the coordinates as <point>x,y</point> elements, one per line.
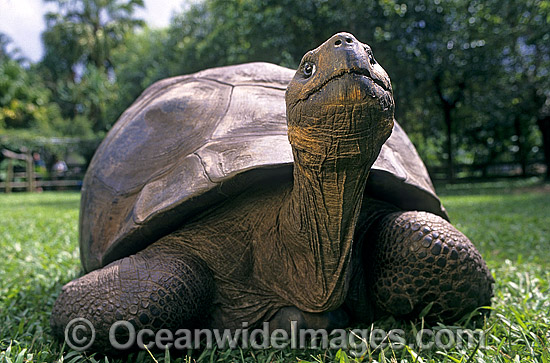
<point>339,104</point>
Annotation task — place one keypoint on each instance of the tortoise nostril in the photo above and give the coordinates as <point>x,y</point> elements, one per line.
<point>349,40</point>
<point>338,43</point>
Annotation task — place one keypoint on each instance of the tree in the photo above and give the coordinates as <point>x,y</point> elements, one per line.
<point>86,31</point>
<point>470,77</point>
<point>527,63</point>
<point>439,54</point>
<point>442,54</point>
<point>7,50</point>
<point>222,32</point>
<point>79,40</point>
<point>92,98</point>
<point>142,59</point>
<point>24,100</point>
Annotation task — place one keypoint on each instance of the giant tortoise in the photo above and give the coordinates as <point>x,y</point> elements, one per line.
<point>211,203</point>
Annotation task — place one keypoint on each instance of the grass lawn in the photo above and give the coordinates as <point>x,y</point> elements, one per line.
<point>509,222</point>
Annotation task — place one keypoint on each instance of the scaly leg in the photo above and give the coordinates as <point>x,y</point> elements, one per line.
<point>159,287</point>
<point>415,258</point>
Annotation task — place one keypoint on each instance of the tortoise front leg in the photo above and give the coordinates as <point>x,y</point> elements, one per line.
<point>412,259</point>
<point>159,287</point>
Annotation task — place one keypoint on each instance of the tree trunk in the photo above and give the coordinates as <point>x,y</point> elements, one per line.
<point>544,126</point>
<point>448,106</point>
<point>520,143</point>
<point>449,144</point>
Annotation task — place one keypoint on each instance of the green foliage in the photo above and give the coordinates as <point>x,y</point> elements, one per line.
<point>85,31</point>
<point>507,221</point>
<point>470,78</point>
<point>526,80</point>
<point>8,50</point>
<point>24,101</point>
<point>91,99</point>
<point>143,58</point>
<point>447,61</point>
<point>217,32</point>
<point>79,40</point>
<point>441,62</point>
<point>27,107</point>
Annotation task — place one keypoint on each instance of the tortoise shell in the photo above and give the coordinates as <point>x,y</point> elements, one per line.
<point>191,141</point>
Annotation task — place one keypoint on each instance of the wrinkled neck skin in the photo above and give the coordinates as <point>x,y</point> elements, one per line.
<point>315,225</point>
<point>318,221</point>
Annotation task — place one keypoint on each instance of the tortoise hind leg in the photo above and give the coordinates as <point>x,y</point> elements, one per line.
<point>414,258</point>
<point>161,286</point>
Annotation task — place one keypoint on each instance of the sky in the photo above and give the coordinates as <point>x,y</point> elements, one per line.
<point>23,21</point>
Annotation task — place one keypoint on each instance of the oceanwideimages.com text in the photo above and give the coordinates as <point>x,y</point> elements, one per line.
<point>80,334</point>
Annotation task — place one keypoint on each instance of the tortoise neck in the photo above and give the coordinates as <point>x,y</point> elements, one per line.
<point>316,224</point>
<point>326,204</point>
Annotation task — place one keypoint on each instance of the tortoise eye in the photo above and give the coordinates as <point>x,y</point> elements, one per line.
<point>309,69</point>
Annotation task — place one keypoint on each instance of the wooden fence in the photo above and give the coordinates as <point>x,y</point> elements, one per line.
<point>29,180</point>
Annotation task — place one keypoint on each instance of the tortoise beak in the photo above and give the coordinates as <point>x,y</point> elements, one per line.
<point>347,54</point>
<point>340,54</point>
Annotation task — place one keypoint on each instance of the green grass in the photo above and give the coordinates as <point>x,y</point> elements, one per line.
<point>509,222</point>
<point>38,251</point>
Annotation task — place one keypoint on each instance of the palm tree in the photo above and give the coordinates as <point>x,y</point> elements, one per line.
<point>85,31</point>
<point>77,64</point>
